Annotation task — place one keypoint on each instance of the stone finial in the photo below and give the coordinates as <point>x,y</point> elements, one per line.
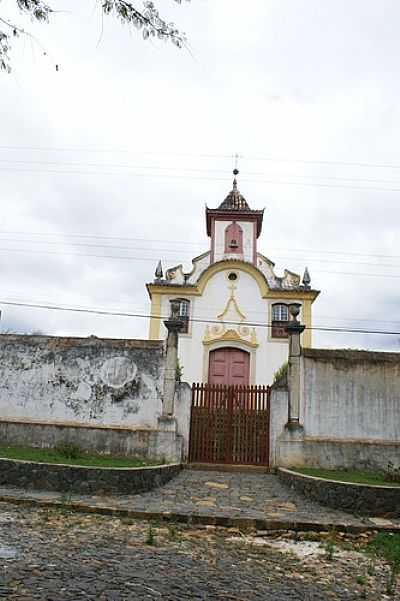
<point>159,271</point>
<point>294,310</point>
<point>306,278</point>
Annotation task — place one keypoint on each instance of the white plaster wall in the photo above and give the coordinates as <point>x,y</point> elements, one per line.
<point>248,241</point>
<point>270,354</point>
<point>97,381</point>
<point>183,401</point>
<point>351,394</point>
<point>278,419</point>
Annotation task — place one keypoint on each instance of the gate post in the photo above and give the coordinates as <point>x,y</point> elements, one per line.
<point>295,328</point>
<point>290,443</point>
<point>174,326</point>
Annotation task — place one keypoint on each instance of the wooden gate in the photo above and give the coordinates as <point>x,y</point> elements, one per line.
<point>229,424</point>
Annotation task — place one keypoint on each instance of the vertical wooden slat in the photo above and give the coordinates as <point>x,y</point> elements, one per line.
<point>230,424</point>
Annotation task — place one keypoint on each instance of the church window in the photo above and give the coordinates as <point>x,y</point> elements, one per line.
<point>280,318</point>
<point>184,314</point>
<point>234,238</point>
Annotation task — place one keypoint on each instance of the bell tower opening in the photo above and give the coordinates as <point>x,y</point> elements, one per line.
<point>234,238</point>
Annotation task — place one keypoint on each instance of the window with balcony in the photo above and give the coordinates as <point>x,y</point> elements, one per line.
<point>184,314</point>
<point>279,319</point>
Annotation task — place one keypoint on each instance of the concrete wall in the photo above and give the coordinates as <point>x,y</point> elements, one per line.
<point>83,380</point>
<point>278,417</point>
<point>131,442</point>
<point>351,394</point>
<point>350,412</point>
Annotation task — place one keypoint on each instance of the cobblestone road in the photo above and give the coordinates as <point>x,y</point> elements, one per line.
<point>54,555</point>
<point>224,494</point>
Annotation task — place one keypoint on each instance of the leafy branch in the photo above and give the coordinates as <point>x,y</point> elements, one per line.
<point>147,19</point>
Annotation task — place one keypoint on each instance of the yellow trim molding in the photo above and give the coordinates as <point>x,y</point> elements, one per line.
<point>306,319</point>
<point>155,320</point>
<point>157,291</point>
<point>198,289</point>
<point>230,336</point>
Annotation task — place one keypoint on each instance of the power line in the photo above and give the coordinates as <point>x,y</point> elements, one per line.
<point>197,178</point>
<point>318,162</point>
<point>193,169</point>
<point>98,237</point>
<point>154,260</point>
<point>116,150</point>
<point>199,155</point>
<point>196,320</point>
<point>182,252</point>
<point>217,308</point>
<point>199,246</point>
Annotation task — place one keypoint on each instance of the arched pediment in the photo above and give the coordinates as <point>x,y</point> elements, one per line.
<point>238,266</point>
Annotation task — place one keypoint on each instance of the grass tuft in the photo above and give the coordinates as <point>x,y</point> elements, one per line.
<point>72,455</point>
<point>352,476</point>
<point>387,546</point>
<point>150,539</point>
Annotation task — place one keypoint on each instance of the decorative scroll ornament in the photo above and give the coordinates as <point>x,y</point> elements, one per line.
<point>231,327</point>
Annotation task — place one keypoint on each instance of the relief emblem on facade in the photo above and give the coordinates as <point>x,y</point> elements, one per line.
<point>232,326</point>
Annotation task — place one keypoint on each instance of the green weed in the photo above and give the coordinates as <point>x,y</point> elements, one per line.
<point>387,546</point>
<point>150,538</point>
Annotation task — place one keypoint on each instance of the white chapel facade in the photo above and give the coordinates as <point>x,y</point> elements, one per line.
<point>233,306</point>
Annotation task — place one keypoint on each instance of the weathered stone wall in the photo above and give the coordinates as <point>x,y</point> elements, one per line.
<point>84,480</point>
<point>104,395</point>
<point>84,380</point>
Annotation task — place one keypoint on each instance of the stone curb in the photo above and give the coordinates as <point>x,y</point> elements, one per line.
<point>267,525</point>
<point>362,499</point>
<point>84,480</point>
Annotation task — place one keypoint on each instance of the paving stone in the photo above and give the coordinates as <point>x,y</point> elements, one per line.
<point>381,521</point>
<point>218,485</point>
<point>238,495</point>
<point>206,503</point>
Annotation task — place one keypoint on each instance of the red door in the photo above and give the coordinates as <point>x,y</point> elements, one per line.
<point>229,366</point>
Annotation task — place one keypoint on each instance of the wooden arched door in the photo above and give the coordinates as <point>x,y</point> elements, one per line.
<point>230,366</point>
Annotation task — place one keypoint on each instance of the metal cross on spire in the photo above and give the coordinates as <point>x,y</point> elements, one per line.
<point>236,156</point>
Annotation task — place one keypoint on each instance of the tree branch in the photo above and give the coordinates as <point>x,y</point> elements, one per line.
<point>148,20</point>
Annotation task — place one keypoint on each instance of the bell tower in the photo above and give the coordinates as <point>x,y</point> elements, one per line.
<point>234,228</point>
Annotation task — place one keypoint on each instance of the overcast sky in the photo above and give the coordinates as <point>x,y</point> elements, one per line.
<point>106,164</point>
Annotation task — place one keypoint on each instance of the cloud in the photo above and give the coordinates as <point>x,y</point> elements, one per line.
<point>129,140</point>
